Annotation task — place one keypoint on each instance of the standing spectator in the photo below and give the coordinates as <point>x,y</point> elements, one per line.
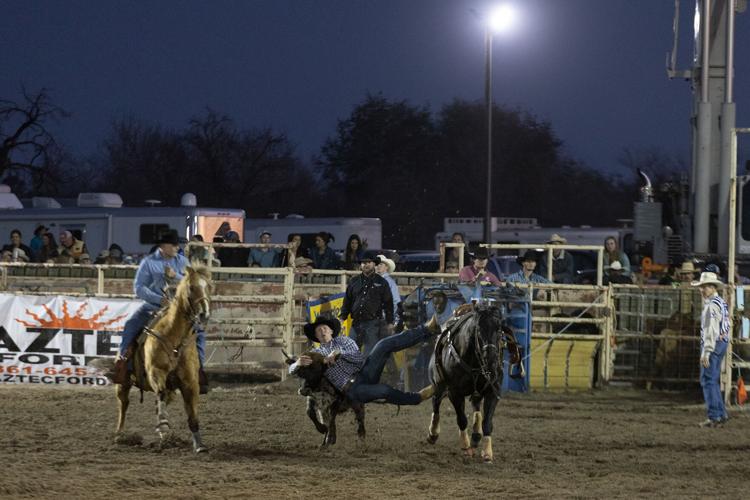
<point>714,341</point>
<point>295,256</point>
<point>368,299</point>
<point>384,267</point>
<point>526,274</point>
<point>322,255</point>
<point>353,252</point>
<point>612,253</point>
<point>19,251</point>
<point>563,267</point>
<point>477,272</point>
<point>48,250</point>
<point>36,242</point>
<point>70,246</point>
<point>262,256</point>
<point>233,256</point>
<point>453,254</point>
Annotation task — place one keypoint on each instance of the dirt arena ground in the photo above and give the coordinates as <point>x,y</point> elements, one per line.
<point>58,443</point>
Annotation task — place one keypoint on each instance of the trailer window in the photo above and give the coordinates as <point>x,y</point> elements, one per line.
<point>150,233</point>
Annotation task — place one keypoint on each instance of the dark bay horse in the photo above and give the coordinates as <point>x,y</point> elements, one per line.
<point>467,361</point>
<point>170,357</point>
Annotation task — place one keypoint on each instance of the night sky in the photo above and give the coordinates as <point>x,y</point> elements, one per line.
<point>594,69</point>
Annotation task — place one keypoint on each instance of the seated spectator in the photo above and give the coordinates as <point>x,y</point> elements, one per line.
<point>353,253</point>
<point>453,253</point>
<point>232,256</point>
<point>19,251</point>
<point>84,259</point>
<point>48,250</point>
<point>70,246</point>
<point>612,253</point>
<point>526,274</point>
<point>296,256</point>
<point>262,256</point>
<point>477,272</point>
<point>615,274</point>
<point>322,255</point>
<point>102,258</point>
<point>451,266</point>
<point>115,254</point>
<point>563,267</point>
<point>36,242</point>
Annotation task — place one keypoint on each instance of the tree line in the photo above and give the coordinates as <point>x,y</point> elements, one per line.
<point>409,165</point>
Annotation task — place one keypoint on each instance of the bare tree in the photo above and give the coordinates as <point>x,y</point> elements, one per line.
<point>29,152</point>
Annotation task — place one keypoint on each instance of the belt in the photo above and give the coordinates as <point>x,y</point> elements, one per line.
<point>345,388</point>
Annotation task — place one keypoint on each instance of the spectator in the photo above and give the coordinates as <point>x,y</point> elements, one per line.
<point>353,253</point>
<point>48,250</point>
<point>384,267</point>
<point>563,267</point>
<point>477,272</point>
<point>19,251</point>
<point>6,256</point>
<point>233,256</point>
<point>715,337</point>
<point>84,259</point>
<point>263,256</point>
<point>368,300</point>
<point>526,274</point>
<point>36,242</point>
<point>295,256</point>
<point>453,254</point>
<point>451,267</point>
<point>615,274</point>
<point>115,254</point>
<point>322,255</point>
<point>71,246</point>
<point>196,253</point>
<point>612,253</point>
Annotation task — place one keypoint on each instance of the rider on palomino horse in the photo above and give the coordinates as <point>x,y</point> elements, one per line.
<point>157,272</point>
<point>358,376</point>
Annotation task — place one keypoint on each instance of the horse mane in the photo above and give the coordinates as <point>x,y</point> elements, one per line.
<point>183,287</point>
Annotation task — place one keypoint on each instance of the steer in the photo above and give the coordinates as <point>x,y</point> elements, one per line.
<point>324,401</point>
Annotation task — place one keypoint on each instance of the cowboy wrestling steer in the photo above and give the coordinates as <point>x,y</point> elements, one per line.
<point>324,401</point>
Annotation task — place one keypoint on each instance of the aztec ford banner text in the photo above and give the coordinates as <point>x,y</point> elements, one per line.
<point>50,340</point>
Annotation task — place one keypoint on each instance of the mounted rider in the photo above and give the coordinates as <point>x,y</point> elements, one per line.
<point>155,282</point>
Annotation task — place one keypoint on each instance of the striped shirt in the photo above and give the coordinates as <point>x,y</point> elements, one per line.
<point>714,323</point>
<point>347,365</point>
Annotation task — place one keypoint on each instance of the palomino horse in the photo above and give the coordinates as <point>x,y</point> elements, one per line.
<point>468,362</point>
<point>170,357</point>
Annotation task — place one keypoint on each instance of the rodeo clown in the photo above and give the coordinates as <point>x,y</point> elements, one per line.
<point>714,341</point>
<point>356,375</point>
<point>159,271</point>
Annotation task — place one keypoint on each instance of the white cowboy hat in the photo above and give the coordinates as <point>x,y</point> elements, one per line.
<point>615,266</point>
<point>556,238</point>
<point>708,279</point>
<point>687,267</point>
<point>388,262</point>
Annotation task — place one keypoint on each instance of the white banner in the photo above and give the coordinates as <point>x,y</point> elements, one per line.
<point>50,340</point>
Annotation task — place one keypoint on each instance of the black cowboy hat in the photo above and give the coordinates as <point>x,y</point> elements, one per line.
<point>332,323</point>
<point>528,255</point>
<point>370,258</point>
<point>481,253</point>
<point>171,237</point>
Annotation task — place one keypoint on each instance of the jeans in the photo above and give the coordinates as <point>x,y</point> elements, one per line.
<point>366,334</point>
<point>140,318</point>
<point>711,383</point>
<point>367,386</point>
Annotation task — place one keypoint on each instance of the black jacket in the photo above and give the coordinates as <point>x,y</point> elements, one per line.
<point>368,298</point>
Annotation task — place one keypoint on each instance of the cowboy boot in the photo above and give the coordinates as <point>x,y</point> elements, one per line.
<point>202,381</point>
<point>121,371</point>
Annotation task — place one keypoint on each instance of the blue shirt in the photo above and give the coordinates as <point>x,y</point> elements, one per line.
<point>263,259</point>
<point>519,277</point>
<point>347,365</point>
<point>150,279</point>
<point>394,293</point>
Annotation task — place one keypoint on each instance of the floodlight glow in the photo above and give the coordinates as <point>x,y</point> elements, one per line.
<point>501,18</point>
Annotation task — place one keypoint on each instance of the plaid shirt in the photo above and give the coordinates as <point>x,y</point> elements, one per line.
<point>519,277</point>
<point>347,365</point>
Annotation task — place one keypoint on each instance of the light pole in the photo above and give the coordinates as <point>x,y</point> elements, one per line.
<point>499,20</point>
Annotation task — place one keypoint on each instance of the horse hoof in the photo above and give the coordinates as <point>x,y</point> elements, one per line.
<point>468,452</point>
<point>432,439</point>
<point>487,459</point>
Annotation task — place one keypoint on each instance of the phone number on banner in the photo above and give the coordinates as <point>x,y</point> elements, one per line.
<point>50,375</point>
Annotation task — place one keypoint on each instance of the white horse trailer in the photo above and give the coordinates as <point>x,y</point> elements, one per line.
<point>370,229</point>
<point>99,219</point>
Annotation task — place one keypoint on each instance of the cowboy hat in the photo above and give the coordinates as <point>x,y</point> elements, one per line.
<point>169,237</point>
<point>556,238</point>
<point>332,323</point>
<point>369,258</point>
<point>529,255</point>
<point>481,253</point>
<point>708,279</point>
<point>388,262</point>
<point>687,267</point>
